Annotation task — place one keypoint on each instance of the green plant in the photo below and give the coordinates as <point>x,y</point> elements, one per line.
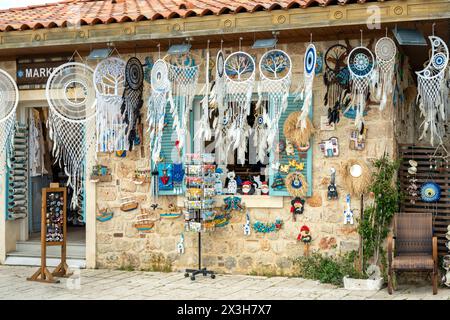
<point>374,226</point>
<point>327,269</point>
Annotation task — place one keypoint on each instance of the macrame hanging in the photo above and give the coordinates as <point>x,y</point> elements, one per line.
<point>183,77</point>
<point>385,53</point>
<point>132,100</point>
<point>157,106</point>
<point>109,80</point>
<point>239,82</point>
<point>430,95</point>
<point>309,67</point>
<point>220,122</point>
<point>275,68</point>
<point>71,97</point>
<point>361,65</point>
<point>336,78</point>
<point>9,98</point>
<point>204,132</point>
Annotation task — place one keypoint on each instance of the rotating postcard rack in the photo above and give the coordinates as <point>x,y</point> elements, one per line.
<point>18,182</point>
<point>199,204</point>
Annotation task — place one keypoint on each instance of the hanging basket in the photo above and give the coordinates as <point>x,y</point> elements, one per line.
<point>356,176</point>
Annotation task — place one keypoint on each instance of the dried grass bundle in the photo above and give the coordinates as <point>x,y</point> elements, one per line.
<point>356,185</point>
<point>296,134</point>
<point>296,192</point>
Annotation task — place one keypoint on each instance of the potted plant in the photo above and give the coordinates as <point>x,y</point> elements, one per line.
<point>374,225</point>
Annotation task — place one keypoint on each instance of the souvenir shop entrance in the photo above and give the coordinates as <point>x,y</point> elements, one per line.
<point>34,167</point>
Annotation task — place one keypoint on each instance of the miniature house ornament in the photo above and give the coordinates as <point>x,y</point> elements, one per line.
<point>330,147</point>
<point>348,213</point>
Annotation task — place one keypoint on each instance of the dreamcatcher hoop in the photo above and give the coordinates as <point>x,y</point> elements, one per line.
<point>275,68</point>
<point>183,76</point>
<point>309,65</point>
<point>9,99</point>
<point>361,64</point>
<point>430,96</point>
<point>385,53</point>
<point>109,81</point>
<point>240,70</point>
<point>71,119</point>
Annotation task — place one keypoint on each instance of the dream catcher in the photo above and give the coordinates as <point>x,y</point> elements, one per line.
<point>204,131</point>
<point>306,92</point>
<point>336,78</point>
<point>217,101</point>
<point>275,68</point>
<point>361,65</point>
<point>109,79</point>
<point>239,81</point>
<point>157,106</point>
<point>9,98</point>
<point>132,100</point>
<point>183,77</point>
<point>385,53</point>
<point>430,95</point>
<point>71,97</point>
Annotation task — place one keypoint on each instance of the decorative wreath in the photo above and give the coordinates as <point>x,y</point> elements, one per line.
<point>296,184</point>
<point>356,185</point>
<point>294,133</point>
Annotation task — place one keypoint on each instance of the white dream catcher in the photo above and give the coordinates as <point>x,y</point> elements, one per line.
<point>361,65</point>
<point>157,106</point>
<point>239,81</point>
<point>430,95</point>
<point>204,131</point>
<point>217,101</point>
<point>275,68</point>
<point>309,70</point>
<point>109,81</point>
<point>9,98</point>
<point>385,53</point>
<point>183,77</point>
<point>71,97</point>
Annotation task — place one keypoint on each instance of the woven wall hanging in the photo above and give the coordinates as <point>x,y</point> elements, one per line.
<point>296,184</point>
<point>356,176</point>
<point>295,134</point>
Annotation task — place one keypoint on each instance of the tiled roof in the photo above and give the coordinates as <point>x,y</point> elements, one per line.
<point>66,12</point>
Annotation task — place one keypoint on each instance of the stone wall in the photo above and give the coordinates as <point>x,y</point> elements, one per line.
<point>227,249</point>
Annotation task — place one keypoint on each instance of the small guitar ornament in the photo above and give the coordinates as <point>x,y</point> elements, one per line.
<point>332,191</point>
<point>348,213</point>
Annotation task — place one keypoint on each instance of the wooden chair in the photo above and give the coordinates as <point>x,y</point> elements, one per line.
<point>415,246</point>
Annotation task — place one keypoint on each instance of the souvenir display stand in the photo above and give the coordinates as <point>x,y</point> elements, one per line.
<point>199,204</point>
<point>53,232</point>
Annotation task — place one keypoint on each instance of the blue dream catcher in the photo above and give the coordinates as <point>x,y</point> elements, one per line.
<point>430,192</point>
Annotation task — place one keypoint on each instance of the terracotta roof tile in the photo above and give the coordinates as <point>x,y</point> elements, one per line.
<point>114,11</point>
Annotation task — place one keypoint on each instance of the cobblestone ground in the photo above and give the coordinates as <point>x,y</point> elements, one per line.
<point>107,284</point>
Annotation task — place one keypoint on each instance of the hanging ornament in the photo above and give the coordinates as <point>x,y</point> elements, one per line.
<point>220,122</point>
<point>132,99</point>
<point>71,121</point>
<point>204,132</point>
<point>356,176</point>
<point>297,207</point>
<point>9,98</point>
<point>183,77</point>
<point>332,193</point>
<point>430,82</point>
<point>361,65</point>
<point>292,131</point>
<point>275,69</point>
<point>247,228</point>
<point>109,81</point>
<point>430,192</point>
<point>180,245</point>
<point>157,106</point>
<point>296,184</point>
<point>348,212</point>
<point>239,81</point>
<point>336,78</point>
<point>385,53</point>
<point>309,66</point>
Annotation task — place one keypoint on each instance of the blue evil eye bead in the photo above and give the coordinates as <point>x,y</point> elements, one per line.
<point>260,120</point>
<point>310,59</point>
<point>296,184</point>
<point>439,61</point>
<point>430,192</point>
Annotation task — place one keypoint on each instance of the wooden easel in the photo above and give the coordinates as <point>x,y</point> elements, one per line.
<point>42,274</point>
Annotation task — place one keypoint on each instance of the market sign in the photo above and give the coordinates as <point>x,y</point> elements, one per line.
<point>34,74</point>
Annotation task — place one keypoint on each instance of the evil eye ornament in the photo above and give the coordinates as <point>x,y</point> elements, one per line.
<point>296,184</point>
<point>361,62</point>
<point>430,192</point>
<point>310,60</point>
<point>439,61</point>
